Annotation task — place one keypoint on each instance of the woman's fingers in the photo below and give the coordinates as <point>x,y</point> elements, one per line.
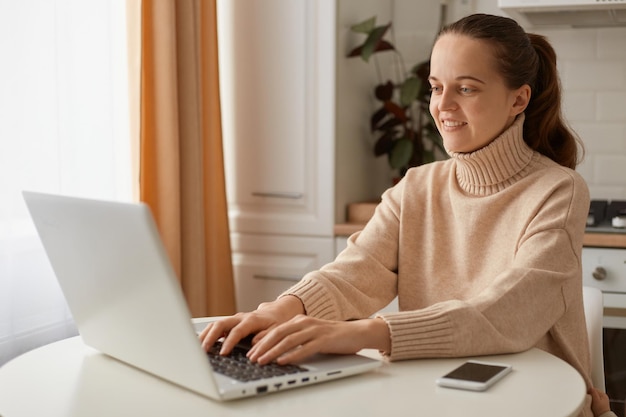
<point>221,328</point>
<point>304,336</point>
<point>235,328</point>
<point>258,322</point>
<point>285,339</point>
<point>249,324</point>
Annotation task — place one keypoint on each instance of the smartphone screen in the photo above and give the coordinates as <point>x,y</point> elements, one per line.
<point>474,375</point>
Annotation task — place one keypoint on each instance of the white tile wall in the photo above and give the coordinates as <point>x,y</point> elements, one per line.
<point>592,64</point>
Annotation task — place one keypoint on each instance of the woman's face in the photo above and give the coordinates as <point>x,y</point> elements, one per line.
<point>470,102</point>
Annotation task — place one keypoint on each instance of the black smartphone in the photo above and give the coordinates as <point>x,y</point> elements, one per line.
<point>474,375</point>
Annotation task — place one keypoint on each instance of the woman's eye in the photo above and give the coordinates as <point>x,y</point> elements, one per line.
<point>435,89</point>
<point>466,90</point>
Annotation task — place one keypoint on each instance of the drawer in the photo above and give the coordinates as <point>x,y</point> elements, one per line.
<point>265,266</point>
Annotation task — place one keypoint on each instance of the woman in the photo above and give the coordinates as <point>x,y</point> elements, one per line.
<point>482,250</point>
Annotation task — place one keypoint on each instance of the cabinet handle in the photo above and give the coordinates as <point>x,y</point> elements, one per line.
<point>275,278</point>
<point>278,194</point>
<point>599,273</point>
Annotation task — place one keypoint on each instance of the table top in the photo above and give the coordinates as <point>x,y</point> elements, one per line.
<point>67,379</point>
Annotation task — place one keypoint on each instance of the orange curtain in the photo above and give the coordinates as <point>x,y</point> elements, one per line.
<point>181,157</point>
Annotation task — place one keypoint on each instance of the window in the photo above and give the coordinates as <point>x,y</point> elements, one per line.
<point>64,129</point>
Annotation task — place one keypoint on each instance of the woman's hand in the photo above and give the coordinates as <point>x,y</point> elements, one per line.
<point>600,403</point>
<point>304,336</point>
<point>235,328</point>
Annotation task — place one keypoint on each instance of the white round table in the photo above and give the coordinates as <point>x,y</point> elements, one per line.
<point>67,379</point>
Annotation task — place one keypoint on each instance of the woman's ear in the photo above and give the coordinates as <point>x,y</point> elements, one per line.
<point>522,98</point>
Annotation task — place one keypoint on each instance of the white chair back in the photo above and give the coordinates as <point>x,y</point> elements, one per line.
<point>594,310</point>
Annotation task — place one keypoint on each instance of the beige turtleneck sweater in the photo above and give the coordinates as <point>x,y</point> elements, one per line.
<point>483,251</point>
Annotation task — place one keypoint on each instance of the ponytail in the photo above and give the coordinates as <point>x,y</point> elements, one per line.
<point>545,129</point>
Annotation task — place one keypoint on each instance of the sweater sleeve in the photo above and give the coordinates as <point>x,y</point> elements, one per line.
<point>363,278</point>
<point>608,414</point>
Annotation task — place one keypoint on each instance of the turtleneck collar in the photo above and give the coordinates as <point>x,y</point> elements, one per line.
<point>495,166</point>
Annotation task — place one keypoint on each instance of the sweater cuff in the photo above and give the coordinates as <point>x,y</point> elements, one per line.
<point>423,333</point>
<point>316,301</point>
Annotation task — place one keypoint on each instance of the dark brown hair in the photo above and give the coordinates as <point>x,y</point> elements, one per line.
<point>526,58</point>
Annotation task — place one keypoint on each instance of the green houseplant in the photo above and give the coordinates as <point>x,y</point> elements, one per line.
<point>404,129</point>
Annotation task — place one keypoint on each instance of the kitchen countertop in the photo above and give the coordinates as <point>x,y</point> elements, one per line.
<point>360,213</point>
<point>591,239</point>
<point>605,240</point>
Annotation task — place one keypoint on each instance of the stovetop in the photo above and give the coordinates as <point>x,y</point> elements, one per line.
<point>607,216</point>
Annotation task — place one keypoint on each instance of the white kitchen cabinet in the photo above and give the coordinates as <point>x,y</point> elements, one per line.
<point>266,265</point>
<point>295,114</point>
<point>277,81</point>
<point>277,69</point>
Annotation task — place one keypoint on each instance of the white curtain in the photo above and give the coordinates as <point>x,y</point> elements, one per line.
<point>63,129</point>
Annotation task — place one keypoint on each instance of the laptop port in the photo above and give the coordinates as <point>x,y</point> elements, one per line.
<point>305,379</point>
<point>262,389</point>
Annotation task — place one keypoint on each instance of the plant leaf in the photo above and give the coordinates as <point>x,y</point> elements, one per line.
<point>377,117</point>
<point>384,144</point>
<point>401,153</point>
<point>372,41</point>
<point>437,141</point>
<point>422,70</point>
<point>396,110</point>
<point>365,26</point>
<point>429,156</point>
<point>389,124</point>
<point>383,45</point>
<point>384,92</point>
<point>355,52</point>
<point>409,90</point>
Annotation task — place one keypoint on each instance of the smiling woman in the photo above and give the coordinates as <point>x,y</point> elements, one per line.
<point>64,130</point>
<point>481,250</point>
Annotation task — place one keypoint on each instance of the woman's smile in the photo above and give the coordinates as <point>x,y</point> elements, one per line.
<point>452,125</point>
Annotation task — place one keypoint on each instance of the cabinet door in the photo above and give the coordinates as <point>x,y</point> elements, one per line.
<point>265,266</point>
<point>277,71</point>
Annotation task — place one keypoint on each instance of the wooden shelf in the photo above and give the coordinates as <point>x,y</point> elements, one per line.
<point>346,229</point>
<point>605,240</point>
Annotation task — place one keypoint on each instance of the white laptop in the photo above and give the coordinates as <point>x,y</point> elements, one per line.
<point>127,302</point>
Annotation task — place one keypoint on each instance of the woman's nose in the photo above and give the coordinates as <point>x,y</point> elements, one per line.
<point>446,101</point>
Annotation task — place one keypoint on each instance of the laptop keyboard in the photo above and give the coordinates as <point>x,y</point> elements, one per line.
<point>236,365</point>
